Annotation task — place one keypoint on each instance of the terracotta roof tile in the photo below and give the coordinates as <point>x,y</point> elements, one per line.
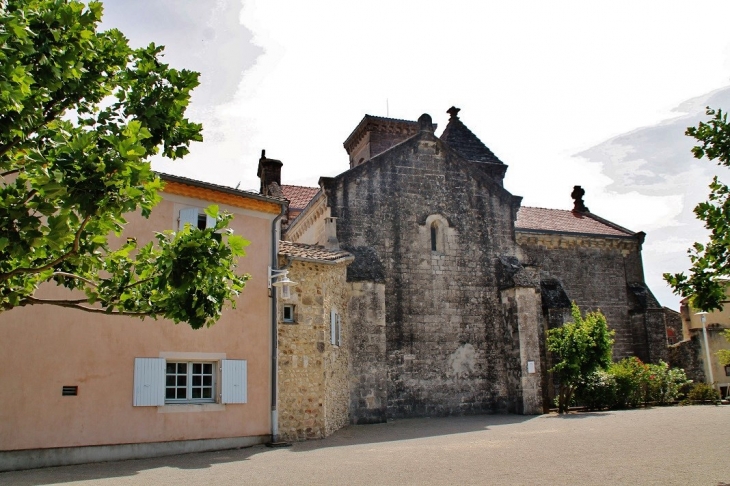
<point>560,220</point>
<point>299,196</point>
<point>312,252</point>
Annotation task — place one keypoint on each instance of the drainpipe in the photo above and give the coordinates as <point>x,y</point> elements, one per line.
<point>274,334</point>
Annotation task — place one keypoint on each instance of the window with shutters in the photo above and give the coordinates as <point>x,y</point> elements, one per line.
<point>160,381</point>
<point>196,218</point>
<point>189,382</point>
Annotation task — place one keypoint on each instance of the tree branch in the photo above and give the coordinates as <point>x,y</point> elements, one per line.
<point>75,305</point>
<point>78,277</point>
<point>10,172</point>
<point>74,250</point>
<point>139,282</point>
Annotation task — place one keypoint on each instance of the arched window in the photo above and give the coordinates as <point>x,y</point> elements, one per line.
<point>434,236</point>
<point>435,233</point>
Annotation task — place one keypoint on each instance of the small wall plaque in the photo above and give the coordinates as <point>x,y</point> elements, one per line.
<point>530,366</point>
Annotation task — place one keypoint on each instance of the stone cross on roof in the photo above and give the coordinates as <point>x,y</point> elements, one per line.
<point>454,112</point>
<point>577,195</point>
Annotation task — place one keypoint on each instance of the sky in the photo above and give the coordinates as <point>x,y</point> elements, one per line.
<point>566,93</point>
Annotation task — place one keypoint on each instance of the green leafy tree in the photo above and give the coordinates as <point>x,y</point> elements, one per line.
<point>81,113</point>
<point>579,348</point>
<point>710,270</point>
<point>723,355</point>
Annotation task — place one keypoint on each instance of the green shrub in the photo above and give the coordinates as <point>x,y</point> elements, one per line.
<point>664,384</point>
<point>702,393</point>
<point>631,377</point>
<point>598,391</point>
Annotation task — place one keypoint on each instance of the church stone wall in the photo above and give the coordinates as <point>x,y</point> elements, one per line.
<point>313,374</point>
<point>368,363</point>
<point>594,273</point>
<point>449,349</point>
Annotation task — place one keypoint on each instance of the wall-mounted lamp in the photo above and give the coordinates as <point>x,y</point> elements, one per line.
<point>283,281</point>
<point>703,318</point>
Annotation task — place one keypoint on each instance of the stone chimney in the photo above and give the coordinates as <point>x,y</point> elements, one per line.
<point>578,204</point>
<point>269,172</point>
<point>330,233</point>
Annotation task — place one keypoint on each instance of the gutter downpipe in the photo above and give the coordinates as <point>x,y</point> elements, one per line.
<point>275,236</point>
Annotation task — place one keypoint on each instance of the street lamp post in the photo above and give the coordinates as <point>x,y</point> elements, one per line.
<point>703,318</point>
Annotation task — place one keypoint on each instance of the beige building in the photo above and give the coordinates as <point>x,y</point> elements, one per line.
<point>80,387</point>
<point>715,323</point>
<point>314,338</point>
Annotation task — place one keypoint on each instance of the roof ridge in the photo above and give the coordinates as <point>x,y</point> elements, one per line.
<point>465,142</point>
<point>297,185</point>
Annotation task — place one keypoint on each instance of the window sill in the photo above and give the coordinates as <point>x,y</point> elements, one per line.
<point>191,407</point>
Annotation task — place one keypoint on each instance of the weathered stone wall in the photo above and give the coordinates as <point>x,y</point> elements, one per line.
<point>523,305</point>
<point>368,360</point>
<point>687,355</point>
<point>595,272</point>
<point>313,374</point>
<point>449,348</point>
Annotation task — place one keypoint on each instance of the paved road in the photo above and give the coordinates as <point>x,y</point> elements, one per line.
<point>662,446</point>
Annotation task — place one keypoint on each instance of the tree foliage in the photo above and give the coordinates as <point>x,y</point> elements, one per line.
<point>81,113</point>
<point>723,355</point>
<point>578,349</point>
<point>710,270</point>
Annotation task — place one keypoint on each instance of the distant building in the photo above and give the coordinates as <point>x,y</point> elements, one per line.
<point>715,323</point>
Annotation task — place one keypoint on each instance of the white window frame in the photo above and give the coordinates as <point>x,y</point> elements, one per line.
<point>230,380</point>
<point>189,378</point>
<point>194,216</point>
<point>291,318</point>
<point>335,328</point>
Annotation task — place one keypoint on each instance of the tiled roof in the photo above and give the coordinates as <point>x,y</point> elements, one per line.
<point>216,187</point>
<point>460,138</point>
<point>560,220</point>
<point>312,252</point>
<point>299,196</point>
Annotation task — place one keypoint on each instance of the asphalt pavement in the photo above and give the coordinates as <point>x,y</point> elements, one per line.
<point>660,446</point>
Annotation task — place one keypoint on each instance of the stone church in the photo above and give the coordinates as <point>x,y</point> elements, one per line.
<point>424,288</point>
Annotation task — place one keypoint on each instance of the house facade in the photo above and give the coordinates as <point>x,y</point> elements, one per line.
<point>81,387</point>
<point>708,337</point>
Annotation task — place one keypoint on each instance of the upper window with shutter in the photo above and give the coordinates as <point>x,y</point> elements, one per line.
<point>196,218</point>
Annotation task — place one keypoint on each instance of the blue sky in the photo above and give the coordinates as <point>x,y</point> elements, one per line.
<point>566,93</point>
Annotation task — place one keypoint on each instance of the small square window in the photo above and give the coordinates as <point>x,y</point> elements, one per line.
<point>727,370</point>
<point>288,313</point>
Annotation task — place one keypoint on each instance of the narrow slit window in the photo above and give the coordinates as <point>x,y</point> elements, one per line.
<point>434,237</point>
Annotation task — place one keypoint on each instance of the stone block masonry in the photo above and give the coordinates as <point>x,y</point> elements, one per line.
<point>314,389</point>
<point>448,348</point>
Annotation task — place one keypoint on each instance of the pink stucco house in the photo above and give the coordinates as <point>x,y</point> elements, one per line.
<point>79,387</point>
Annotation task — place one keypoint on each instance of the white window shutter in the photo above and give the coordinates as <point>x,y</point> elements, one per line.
<point>333,324</point>
<point>149,382</point>
<point>188,215</point>
<point>209,222</point>
<point>234,376</point>
<point>338,335</point>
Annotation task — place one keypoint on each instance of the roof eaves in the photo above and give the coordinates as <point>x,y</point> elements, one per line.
<point>216,187</point>
<point>345,259</point>
<point>316,196</point>
<point>573,233</point>
<point>611,224</point>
